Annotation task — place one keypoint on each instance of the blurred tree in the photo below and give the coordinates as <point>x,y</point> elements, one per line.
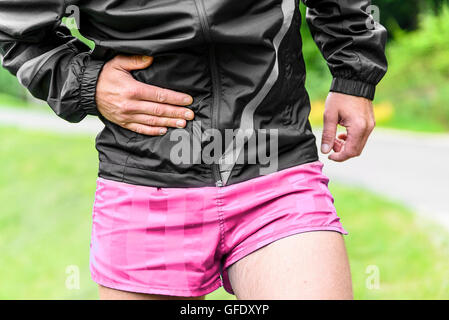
<point>436,5</point>
<point>402,14</point>
<point>405,14</point>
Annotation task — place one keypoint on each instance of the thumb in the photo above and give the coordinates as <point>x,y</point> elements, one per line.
<point>130,63</point>
<point>329,130</point>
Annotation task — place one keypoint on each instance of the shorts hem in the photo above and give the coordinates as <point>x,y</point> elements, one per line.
<point>159,290</point>
<point>251,248</point>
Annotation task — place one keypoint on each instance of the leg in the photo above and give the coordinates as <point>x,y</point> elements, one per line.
<point>131,250</point>
<point>311,265</point>
<point>112,294</point>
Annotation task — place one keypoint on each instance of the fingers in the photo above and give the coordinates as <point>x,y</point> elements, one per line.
<point>143,129</point>
<point>152,125</point>
<point>152,118</point>
<point>338,145</point>
<point>142,91</point>
<point>130,63</point>
<point>143,108</point>
<point>130,107</point>
<point>157,121</point>
<point>353,142</point>
<point>329,130</point>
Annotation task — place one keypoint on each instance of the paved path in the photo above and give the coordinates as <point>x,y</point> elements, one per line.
<point>47,120</point>
<point>409,167</point>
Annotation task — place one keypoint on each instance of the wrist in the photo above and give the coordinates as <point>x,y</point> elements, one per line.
<point>353,88</point>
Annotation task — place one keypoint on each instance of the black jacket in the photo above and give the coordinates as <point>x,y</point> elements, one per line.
<point>241,60</point>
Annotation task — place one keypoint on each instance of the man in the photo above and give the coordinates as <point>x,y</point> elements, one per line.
<point>164,229</point>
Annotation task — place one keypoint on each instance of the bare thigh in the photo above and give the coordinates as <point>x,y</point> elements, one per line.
<point>312,265</point>
<point>112,294</point>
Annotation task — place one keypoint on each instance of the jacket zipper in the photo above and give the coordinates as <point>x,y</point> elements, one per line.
<point>215,80</point>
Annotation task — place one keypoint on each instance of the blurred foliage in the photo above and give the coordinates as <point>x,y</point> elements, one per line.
<point>417,82</point>
<point>405,14</point>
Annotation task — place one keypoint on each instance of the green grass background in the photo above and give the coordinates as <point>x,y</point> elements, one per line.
<point>47,185</point>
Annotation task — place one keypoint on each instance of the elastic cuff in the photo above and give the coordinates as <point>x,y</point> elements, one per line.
<point>354,88</point>
<point>89,86</point>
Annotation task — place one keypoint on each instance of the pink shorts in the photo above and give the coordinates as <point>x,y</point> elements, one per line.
<point>180,241</point>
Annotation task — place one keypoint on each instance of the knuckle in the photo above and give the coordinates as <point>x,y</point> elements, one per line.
<point>151,131</point>
<point>125,106</point>
<point>138,129</point>
<point>170,122</point>
<point>135,60</point>
<point>158,110</point>
<point>121,120</point>
<point>129,92</point>
<point>151,121</point>
<point>173,112</point>
<point>327,136</point>
<point>179,113</point>
<point>162,122</point>
<point>132,92</point>
<point>161,95</point>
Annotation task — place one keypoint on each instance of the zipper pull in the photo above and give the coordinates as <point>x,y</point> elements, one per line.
<point>219,183</point>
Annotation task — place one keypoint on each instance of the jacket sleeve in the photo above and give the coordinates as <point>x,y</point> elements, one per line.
<point>47,60</point>
<point>351,42</point>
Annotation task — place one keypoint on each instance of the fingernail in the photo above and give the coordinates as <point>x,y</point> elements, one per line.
<point>180,124</point>
<point>146,59</point>
<point>162,131</point>
<point>187,100</point>
<point>325,148</point>
<point>189,115</point>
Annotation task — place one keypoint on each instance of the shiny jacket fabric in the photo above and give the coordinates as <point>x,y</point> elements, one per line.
<point>241,60</point>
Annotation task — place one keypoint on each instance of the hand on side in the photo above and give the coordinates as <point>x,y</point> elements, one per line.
<point>137,106</point>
